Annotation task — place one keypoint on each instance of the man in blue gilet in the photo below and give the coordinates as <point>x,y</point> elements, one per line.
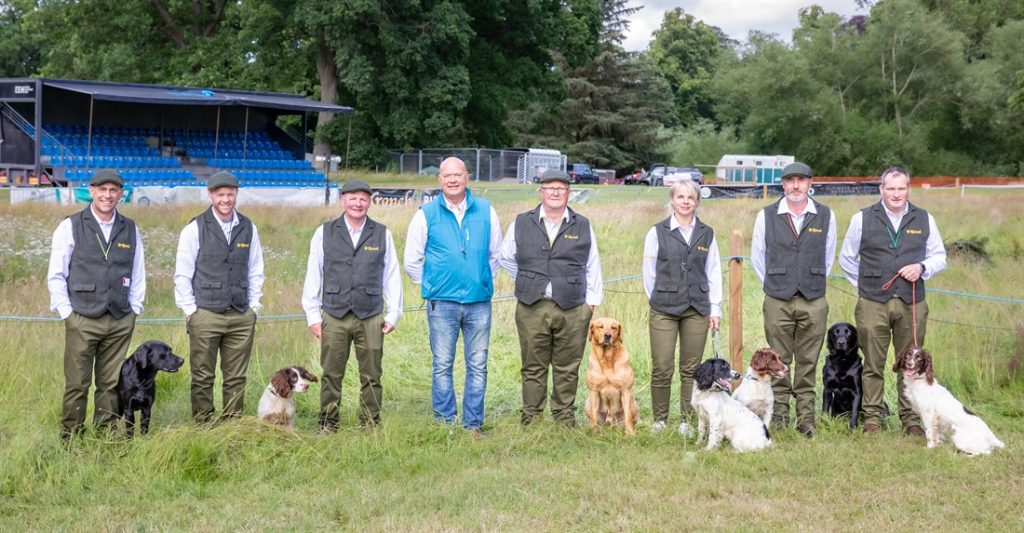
<point>451,251</point>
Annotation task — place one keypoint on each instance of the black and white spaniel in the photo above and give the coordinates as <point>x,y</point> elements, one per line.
<point>939,410</point>
<point>755,393</point>
<point>277,405</point>
<point>719,415</point>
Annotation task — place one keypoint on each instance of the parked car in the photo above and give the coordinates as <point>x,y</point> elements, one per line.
<point>673,175</point>
<point>581,173</point>
<point>651,177</point>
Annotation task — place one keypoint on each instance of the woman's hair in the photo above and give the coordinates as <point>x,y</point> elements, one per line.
<point>687,184</point>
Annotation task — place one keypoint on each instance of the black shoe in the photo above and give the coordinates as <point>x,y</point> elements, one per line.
<point>807,431</point>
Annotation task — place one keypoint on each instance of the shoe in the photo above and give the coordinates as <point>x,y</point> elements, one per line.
<point>685,430</point>
<point>477,433</point>
<point>914,431</point>
<point>658,426</point>
<point>807,431</point>
<point>871,427</point>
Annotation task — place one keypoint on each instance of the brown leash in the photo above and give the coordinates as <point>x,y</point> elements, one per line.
<point>913,304</point>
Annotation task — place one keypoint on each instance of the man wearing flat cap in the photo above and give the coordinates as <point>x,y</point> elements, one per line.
<point>218,284</point>
<point>792,250</point>
<point>352,296</point>
<point>551,252</point>
<point>97,283</point>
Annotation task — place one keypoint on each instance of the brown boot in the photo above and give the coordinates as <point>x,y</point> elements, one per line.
<point>914,431</point>
<point>871,427</point>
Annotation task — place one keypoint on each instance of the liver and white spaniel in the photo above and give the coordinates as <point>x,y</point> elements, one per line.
<point>755,393</point>
<point>939,410</point>
<point>719,415</point>
<point>277,405</point>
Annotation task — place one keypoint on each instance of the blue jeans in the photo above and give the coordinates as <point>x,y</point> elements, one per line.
<point>445,319</point>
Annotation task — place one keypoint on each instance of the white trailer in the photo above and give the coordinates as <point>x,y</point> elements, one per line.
<point>752,168</point>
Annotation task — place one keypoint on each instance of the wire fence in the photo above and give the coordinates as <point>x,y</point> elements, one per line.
<point>837,286</point>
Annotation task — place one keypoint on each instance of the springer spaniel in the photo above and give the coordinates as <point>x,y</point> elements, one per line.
<point>755,393</point>
<point>277,405</point>
<point>719,415</point>
<point>939,410</point>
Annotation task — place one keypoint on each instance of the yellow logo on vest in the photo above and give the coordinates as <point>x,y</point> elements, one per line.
<point>571,237</point>
<point>702,248</point>
<point>814,230</point>
<point>241,245</point>
<point>369,248</point>
<point>914,232</point>
<point>124,245</point>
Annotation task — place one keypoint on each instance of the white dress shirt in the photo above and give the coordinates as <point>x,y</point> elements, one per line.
<point>849,256</point>
<point>312,287</point>
<point>712,267</point>
<point>595,281</point>
<point>758,256</point>
<point>63,245</point>
<point>416,240</point>
<point>185,265</point>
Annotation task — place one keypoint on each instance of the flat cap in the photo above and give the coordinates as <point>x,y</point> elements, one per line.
<point>554,175</point>
<point>797,169</point>
<point>221,179</point>
<point>356,186</point>
<point>106,175</point>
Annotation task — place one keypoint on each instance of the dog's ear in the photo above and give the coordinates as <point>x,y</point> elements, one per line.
<point>926,365</point>
<point>703,376</point>
<point>282,383</point>
<point>901,360</point>
<point>618,331</point>
<point>306,374</point>
<point>143,355</point>
<point>590,332</point>
<point>761,359</point>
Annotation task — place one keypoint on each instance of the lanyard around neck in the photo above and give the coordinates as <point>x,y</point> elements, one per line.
<point>895,239</point>
<point>106,250</point>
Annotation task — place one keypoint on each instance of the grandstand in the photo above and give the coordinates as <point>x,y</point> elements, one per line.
<point>154,135</point>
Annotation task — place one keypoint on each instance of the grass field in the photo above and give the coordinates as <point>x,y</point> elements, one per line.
<point>413,474</point>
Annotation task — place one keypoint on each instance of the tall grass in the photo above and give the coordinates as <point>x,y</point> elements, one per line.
<point>414,474</point>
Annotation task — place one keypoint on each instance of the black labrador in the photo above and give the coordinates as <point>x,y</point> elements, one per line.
<point>136,389</point>
<point>841,375</point>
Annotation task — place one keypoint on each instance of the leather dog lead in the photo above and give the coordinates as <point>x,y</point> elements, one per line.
<point>913,304</point>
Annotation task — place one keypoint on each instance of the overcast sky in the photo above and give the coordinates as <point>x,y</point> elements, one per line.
<point>734,17</point>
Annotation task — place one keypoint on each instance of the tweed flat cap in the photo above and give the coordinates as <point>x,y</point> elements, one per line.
<point>221,179</point>
<point>797,169</point>
<point>106,175</point>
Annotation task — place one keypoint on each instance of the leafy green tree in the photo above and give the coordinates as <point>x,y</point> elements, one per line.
<point>614,105</point>
<point>684,49</point>
<point>770,94</point>
<point>22,46</point>
<point>917,60</point>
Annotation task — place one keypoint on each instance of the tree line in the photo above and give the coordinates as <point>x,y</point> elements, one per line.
<point>936,85</point>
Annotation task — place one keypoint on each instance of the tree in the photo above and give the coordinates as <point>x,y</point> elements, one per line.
<point>614,104</point>
<point>917,59</point>
<point>22,46</point>
<point>684,49</point>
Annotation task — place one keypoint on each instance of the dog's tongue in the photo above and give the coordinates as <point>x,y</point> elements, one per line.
<point>724,383</point>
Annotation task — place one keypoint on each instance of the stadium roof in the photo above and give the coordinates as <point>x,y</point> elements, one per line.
<point>163,94</point>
